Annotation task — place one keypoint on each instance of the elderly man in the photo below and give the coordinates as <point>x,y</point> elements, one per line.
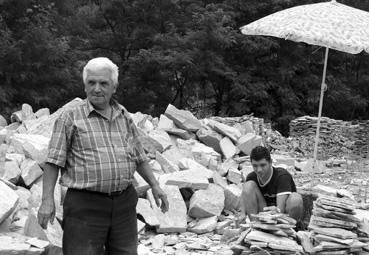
<point>269,188</point>
<point>96,147</point>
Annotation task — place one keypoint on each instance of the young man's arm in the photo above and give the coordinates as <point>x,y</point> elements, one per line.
<point>284,189</point>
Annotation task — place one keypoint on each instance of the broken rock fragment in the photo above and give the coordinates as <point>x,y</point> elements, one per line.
<point>226,130</point>
<point>249,141</point>
<point>210,138</point>
<point>227,147</point>
<point>207,203</point>
<point>166,165</point>
<point>204,225</point>
<point>185,179</point>
<point>11,171</point>
<point>144,209</point>
<point>175,220</point>
<point>8,201</point>
<point>31,171</point>
<point>183,119</point>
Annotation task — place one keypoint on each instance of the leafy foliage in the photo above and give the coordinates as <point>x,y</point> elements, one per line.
<point>186,52</point>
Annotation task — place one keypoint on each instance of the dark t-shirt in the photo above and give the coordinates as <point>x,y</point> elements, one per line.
<point>281,183</point>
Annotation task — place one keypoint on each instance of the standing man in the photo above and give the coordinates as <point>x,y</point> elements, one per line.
<point>268,186</point>
<point>96,147</point>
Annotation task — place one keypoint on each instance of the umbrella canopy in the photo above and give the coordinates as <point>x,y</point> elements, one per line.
<point>329,24</point>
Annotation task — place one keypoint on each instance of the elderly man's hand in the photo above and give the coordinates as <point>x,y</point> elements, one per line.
<point>160,198</point>
<point>46,213</point>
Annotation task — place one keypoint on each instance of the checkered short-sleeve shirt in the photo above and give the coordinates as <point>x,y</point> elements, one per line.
<point>95,153</point>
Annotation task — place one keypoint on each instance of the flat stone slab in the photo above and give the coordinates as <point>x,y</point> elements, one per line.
<point>249,141</point>
<point>11,171</point>
<point>166,165</point>
<point>207,203</point>
<point>232,197</point>
<point>33,146</point>
<point>17,244</point>
<point>144,209</point>
<point>8,201</point>
<point>227,147</point>
<point>183,119</point>
<point>226,130</point>
<point>165,122</point>
<point>175,219</point>
<point>161,137</point>
<point>210,138</point>
<point>204,225</point>
<point>234,176</point>
<point>52,234</point>
<point>185,179</point>
<point>31,171</point>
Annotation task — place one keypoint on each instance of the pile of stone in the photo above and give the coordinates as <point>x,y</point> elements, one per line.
<point>272,233</point>
<point>335,136</point>
<point>199,163</point>
<point>334,228</point>
<point>361,144</point>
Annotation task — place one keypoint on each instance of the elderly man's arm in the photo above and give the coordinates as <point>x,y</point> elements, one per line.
<point>144,169</point>
<point>46,211</point>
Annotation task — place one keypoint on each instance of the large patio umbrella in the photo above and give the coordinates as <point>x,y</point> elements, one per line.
<point>330,24</point>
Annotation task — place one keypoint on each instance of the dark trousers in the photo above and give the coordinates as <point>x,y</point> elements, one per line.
<point>98,224</point>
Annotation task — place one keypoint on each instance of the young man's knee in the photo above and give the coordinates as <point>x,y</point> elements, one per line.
<point>249,187</point>
<point>294,202</point>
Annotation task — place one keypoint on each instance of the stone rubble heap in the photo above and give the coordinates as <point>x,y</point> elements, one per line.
<point>335,229</point>
<point>272,233</point>
<point>361,144</point>
<point>337,138</point>
<point>199,163</point>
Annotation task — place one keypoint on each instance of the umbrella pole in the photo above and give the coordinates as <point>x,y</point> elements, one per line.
<point>320,108</point>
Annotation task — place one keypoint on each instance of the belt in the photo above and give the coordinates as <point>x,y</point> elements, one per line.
<point>110,194</point>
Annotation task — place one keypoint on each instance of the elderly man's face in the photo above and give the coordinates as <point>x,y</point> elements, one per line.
<point>99,88</point>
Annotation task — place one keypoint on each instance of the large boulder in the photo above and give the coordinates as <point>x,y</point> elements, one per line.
<point>249,141</point>
<point>210,138</point>
<point>31,171</point>
<point>227,147</point>
<point>8,201</point>
<point>33,146</point>
<point>183,119</point>
<point>175,219</point>
<point>226,130</point>
<point>11,171</point>
<point>207,203</point>
<point>3,122</point>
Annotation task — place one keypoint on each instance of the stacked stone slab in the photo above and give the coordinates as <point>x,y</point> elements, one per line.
<point>335,228</point>
<point>273,233</point>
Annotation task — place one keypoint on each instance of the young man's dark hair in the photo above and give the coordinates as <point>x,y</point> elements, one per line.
<point>259,153</point>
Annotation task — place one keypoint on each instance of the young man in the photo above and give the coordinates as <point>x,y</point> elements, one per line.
<point>269,186</point>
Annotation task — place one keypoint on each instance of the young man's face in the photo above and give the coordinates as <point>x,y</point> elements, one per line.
<point>262,168</point>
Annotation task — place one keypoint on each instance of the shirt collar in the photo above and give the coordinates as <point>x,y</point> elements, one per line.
<point>267,182</point>
<point>117,109</point>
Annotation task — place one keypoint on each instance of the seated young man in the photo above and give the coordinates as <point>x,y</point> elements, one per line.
<point>269,186</point>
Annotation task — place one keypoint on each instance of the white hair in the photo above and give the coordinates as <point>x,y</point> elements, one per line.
<point>100,63</point>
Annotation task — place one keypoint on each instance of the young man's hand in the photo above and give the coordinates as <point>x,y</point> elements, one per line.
<point>272,209</point>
